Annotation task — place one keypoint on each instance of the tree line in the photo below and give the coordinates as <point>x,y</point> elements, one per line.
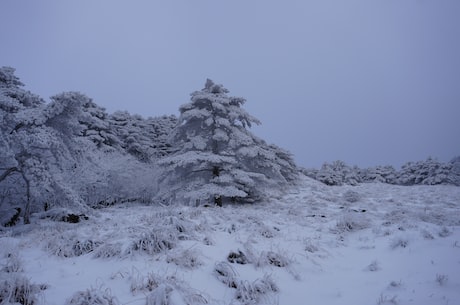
<point>71,155</point>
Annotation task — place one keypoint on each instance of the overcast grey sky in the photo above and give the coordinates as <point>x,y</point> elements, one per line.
<point>369,82</point>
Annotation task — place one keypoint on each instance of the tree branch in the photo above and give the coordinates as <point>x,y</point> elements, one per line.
<point>8,172</point>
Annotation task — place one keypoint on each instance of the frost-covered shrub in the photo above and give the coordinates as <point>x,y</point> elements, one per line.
<point>383,174</point>
<point>13,263</point>
<point>351,196</point>
<point>154,242</point>
<point>108,250</point>
<point>399,242</point>
<point>160,295</point>
<point>188,258</point>
<point>226,274</point>
<point>273,258</point>
<point>257,292</point>
<point>142,284</point>
<point>351,222</point>
<point>428,172</point>
<point>442,279</point>
<point>237,257</point>
<point>374,266</point>
<point>70,245</point>
<point>454,177</point>
<point>444,232</point>
<point>93,296</point>
<point>338,173</point>
<point>166,290</point>
<point>17,289</point>
<point>310,246</point>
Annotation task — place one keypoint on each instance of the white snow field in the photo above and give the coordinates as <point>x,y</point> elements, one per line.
<point>367,244</point>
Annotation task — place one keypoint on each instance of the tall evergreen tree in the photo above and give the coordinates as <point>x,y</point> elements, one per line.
<point>217,158</point>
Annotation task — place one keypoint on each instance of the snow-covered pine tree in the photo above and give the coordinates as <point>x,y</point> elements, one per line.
<point>217,159</point>
<point>145,139</point>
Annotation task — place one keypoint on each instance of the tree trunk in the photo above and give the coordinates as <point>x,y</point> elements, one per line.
<point>217,198</point>
<point>27,207</point>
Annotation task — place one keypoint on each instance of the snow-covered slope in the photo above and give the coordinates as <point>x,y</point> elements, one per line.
<point>368,244</point>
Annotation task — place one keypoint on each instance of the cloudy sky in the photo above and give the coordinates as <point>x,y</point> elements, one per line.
<point>369,82</point>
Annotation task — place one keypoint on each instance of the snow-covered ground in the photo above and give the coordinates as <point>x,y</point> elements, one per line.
<point>368,244</point>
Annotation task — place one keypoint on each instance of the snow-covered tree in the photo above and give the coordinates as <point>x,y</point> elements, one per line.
<point>454,176</point>
<point>383,174</point>
<point>430,172</point>
<point>145,139</point>
<point>338,173</point>
<point>217,158</point>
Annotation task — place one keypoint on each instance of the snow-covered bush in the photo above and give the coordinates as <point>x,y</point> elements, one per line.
<point>383,174</point>
<point>188,258</point>
<point>351,222</point>
<point>399,242</point>
<point>261,291</point>
<point>237,257</point>
<point>226,274</point>
<point>276,259</point>
<point>17,289</point>
<point>429,172</point>
<point>351,196</point>
<point>154,241</point>
<point>68,244</point>
<point>93,296</point>
<point>338,173</point>
<point>454,176</point>
<point>165,290</point>
<point>108,250</point>
<point>13,262</point>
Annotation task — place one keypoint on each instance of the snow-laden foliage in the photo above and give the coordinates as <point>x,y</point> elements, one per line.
<point>145,139</point>
<point>428,172</point>
<point>93,296</point>
<point>64,154</point>
<point>217,159</point>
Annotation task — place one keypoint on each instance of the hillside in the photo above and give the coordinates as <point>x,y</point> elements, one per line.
<point>367,244</point>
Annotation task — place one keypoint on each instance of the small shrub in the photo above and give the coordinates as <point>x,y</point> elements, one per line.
<point>83,247</point>
<point>310,246</point>
<point>237,257</point>
<point>444,232</point>
<point>273,258</point>
<point>108,251</point>
<point>441,279</point>
<point>145,283</point>
<point>93,297</point>
<point>350,223</point>
<point>13,263</point>
<point>395,284</point>
<point>256,292</point>
<point>399,243</point>
<point>154,242</point>
<point>427,235</point>
<point>18,289</point>
<point>384,299</point>
<point>187,259</point>
<point>69,245</point>
<point>374,266</point>
<point>160,295</point>
<point>226,274</point>
<point>351,196</point>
